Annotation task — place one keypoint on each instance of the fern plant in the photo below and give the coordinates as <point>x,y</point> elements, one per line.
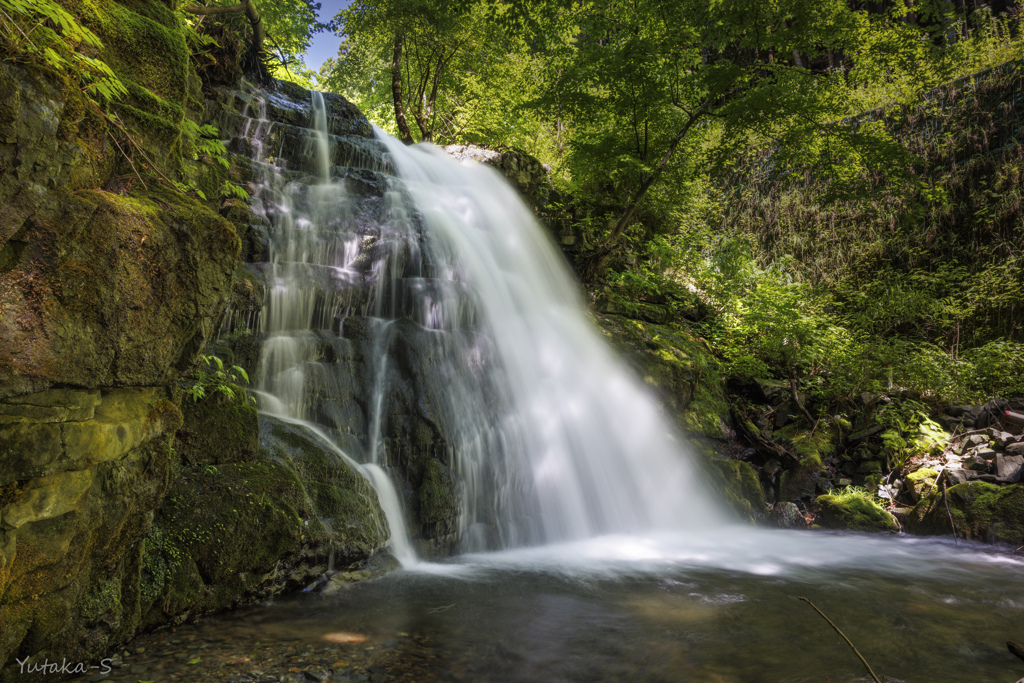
<point>43,32</point>
<point>213,379</point>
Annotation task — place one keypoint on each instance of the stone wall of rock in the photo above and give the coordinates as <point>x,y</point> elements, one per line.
<point>123,507</point>
<point>106,294</point>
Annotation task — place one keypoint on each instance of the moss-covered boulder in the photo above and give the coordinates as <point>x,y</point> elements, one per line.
<point>919,483</point>
<point>980,511</point>
<point>261,521</point>
<point>853,510</point>
<point>339,493</point>
<point>811,445</point>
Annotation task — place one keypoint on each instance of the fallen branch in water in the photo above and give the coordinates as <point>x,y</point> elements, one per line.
<point>843,635</point>
<point>1015,648</point>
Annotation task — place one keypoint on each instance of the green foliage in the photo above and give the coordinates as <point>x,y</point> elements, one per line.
<point>463,77</point>
<point>205,143</point>
<point>212,379</point>
<point>289,26</point>
<point>909,432</point>
<point>720,160</point>
<point>43,32</point>
<point>230,190</point>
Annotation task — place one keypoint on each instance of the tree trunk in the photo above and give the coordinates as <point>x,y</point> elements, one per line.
<point>396,92</point>
<point>592,266</point>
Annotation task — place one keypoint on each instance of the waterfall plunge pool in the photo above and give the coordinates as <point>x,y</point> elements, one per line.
<point>720,607</point>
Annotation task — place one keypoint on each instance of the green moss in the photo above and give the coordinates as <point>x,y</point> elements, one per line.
<point>679,367</point>
<point>336,491</point>
<point>741,488</point>
<point>214,434</point>
<point>438,506</point>
<point>144,42</point>
<point>980,511</point>
<point>216,524</point>
<point>855,510</point>
<point>708,412</point>
<point>919,482</point>
<point>103,601</point>
<point>811,446</point>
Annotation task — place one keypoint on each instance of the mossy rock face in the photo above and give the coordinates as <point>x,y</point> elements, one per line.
<point>741,488</point>
<point>110,285</point>
<point>919,482</point>
<point>71,536</point>
<point>113,290</point>
<point>216,434</point>
<point>680,369</point>
<point>980,511</point>
<point>854,512</point>
<point>221,532</point>
<point>439,510</point>
<point>337,491</point>
<point>105,287</point>
<point>811,445</point>
<point>267,521</point>
<point>145,46</point>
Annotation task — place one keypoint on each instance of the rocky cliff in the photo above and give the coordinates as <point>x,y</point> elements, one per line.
<point>123,505</point>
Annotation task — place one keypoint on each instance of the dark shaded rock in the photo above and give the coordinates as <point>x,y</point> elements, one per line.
<point>742,488</point>
<point>241,530</point>
<point>438,506</point>
<point>1002,439</point>
<point>976,463</point>
<point>1009,467</point>
<point>216,434</point>
<point>787,516</point>
<point>866,432</point>
<point>973,441</point>
<point>984,452</point>
<point>811,446</point>
<point>959,476</point>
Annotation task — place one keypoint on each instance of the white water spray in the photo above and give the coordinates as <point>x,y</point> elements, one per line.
<point>592,452</point>
<point>449,279</point>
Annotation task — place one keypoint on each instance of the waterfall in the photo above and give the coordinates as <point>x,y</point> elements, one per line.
<point>420,318</point>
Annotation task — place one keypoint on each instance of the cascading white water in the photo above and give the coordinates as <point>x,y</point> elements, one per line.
<point>584,438</point>
<point>309,245</point>
<point>451,281</point>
